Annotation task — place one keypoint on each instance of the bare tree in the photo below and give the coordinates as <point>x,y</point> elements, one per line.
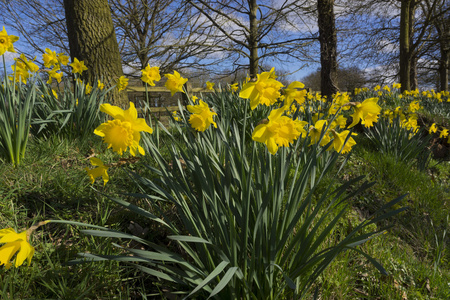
<point>41,24</point>
<point>259,30</point>
<point>166,33</point>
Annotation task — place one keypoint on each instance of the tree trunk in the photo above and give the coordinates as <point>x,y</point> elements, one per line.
<point>444,65</point>
<point>92,39</point>
<point>252,39</point>
<point>405,55</point>
<point>412,53</point>
<point>414,84</point>
<point>444,61</point>
<point>328,46</point>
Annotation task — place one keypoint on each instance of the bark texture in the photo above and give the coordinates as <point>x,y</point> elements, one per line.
<point>328,48</point>
<point>92,39</point>
<point>444,66</point>
<point>405,47</point>
<point>444,47</point>
<point>252,39</point>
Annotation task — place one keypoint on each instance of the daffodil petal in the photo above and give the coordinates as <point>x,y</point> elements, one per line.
<point>130,114</point>
<point>141,125</point>
<point>26,251</point>
<point>96,161</point>
<point>7,251</point>
<point>247,90</point>
<point>114,111</point>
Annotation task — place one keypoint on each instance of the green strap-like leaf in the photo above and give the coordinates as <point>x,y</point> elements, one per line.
<point>189,239</point>
<point>210,277</point>
<point>223,283</point>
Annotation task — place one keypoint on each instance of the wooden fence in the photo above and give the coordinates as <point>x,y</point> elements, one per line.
<point>161,96</point>
<point>160,100</point>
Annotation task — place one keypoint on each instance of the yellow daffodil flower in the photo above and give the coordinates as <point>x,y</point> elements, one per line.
<point>333,109</point>
<point>444,133</point>
<point>100,85</point>
<point>14,243</point>
<point>272,73</point>
<point>63,59</point>
<point>50,58</point>
<point>124,130</point>
<point>55,94</point>
<point>122,83</point>
<point>88,89</point>
<point>339,144</point>
<point>369,120</point>
<point>438,96</point>
<point>150,75</point>
<point>175,116</point>
<point>78,66</point>
<point>6,42</point>
<point>340,121</point>
<point>340,99</point>
<point>433,128</point>
<point>100,171</point>
<point>175,82</point>
<point>396,85</point>
<point>210,85</point>
<point>363,109</point>
<point>202,116</point>
<point>54,74</point>
<point>21,74</point>
<point>414,106</point>
<point>411,123</point>
<point>316,131</point>
<point>316,116</point>
<point>26,64</point>
<point>234,87</point>
<point>265,90</point>
<point>278,131</point>
<point>293,94</point>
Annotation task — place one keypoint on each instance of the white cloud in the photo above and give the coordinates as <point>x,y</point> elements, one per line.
<point>10,56</point>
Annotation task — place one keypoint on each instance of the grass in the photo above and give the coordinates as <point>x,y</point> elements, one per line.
<point>52,184</point>
<point>410,249</point>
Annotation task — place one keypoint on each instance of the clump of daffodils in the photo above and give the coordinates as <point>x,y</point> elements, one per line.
<point>280,130</point>
<point>23,69</point>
